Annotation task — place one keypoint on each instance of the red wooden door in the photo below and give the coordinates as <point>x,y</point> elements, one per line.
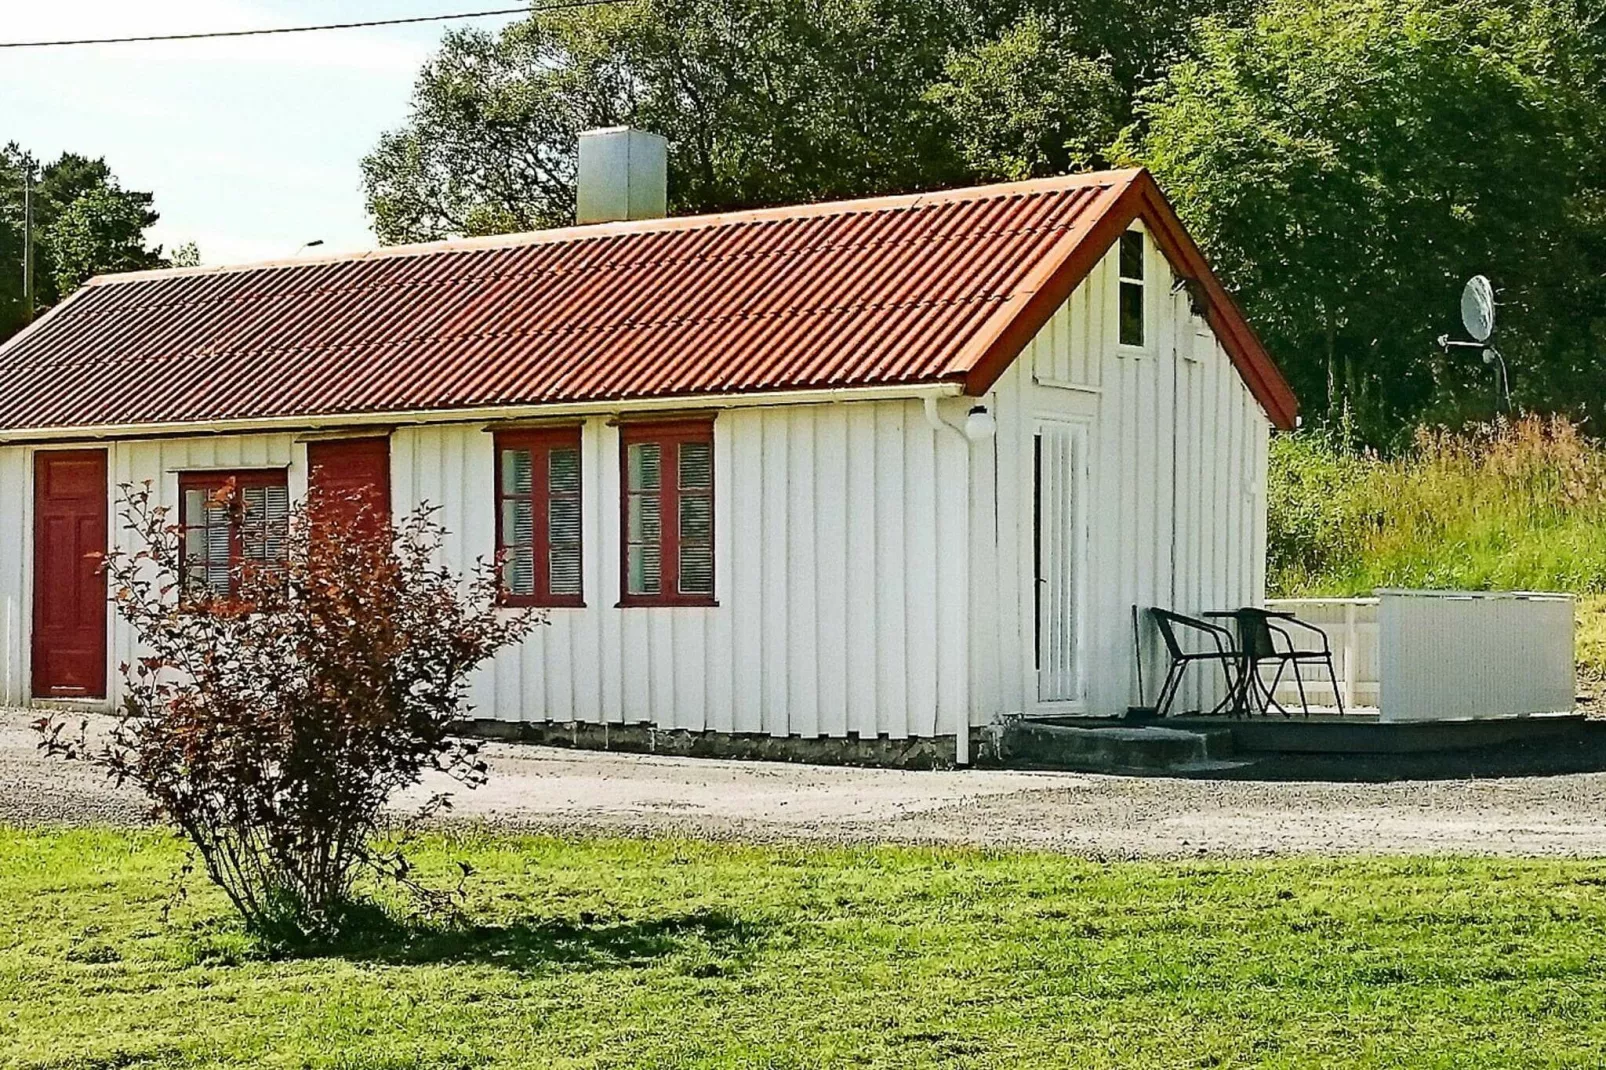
<point>349,473</point>
<point>69,593</point>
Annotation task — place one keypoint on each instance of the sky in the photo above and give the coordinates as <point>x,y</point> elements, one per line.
<point>250,146</point>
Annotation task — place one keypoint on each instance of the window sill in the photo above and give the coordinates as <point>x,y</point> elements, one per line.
<point>1065,384</point>
<point>540,603</point>
<point>667,601</point>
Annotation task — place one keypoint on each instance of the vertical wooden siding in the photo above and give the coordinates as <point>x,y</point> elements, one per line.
<point>16,556</point>
<point>1454,655</point>
<point>840,570</point>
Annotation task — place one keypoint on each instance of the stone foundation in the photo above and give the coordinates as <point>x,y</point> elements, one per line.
<point>934,752</point>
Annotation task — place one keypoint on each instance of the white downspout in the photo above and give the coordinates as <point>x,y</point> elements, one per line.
<point>962,728</point>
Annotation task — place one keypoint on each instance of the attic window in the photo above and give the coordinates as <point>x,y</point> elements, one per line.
<point>1132,288</point>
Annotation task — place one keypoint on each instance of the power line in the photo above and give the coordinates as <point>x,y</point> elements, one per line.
<point>563,5</point>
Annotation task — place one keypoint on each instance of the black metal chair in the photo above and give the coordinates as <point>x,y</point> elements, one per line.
<point>1266,637</point>
<point>1172,627</point>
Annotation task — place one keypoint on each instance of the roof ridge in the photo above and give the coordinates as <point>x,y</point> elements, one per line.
<point>592,231</point>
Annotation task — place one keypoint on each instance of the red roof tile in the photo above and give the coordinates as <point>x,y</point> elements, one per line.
<point>901,290</point>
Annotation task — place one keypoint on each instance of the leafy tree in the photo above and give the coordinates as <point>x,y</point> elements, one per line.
<point>763,101</point>
<point>187,255</point>
<point>101,230</point>
<point>1349,163</point>
<point>1137,40</point>
<point>766,101</point>
<point>85,224</point>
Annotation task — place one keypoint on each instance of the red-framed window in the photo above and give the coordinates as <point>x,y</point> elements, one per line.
<point>230,520</point>
<point>667,513</point>
<point>538,516</point>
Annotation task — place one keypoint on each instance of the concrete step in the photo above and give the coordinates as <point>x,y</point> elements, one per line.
<point>1114,748</point>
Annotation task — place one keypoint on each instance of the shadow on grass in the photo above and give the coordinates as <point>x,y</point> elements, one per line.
<point>375,935</point>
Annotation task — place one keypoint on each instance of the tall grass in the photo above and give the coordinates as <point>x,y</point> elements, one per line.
<point>1511,505</point>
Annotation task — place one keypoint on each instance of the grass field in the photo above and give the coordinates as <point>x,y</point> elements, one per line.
<point>661,954</point>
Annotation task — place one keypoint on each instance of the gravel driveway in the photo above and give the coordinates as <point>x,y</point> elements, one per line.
<point>538,788</point>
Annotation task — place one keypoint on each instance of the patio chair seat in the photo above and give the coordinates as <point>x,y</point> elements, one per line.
<point>1222,649</point>
<point>1267,637</point>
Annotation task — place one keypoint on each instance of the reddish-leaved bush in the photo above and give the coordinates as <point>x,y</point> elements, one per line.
<point>273,716</point>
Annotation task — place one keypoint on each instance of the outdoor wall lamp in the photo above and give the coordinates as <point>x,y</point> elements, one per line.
<point>979,424</point>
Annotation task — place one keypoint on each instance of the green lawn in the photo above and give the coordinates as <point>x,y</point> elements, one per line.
<point>663,954</point>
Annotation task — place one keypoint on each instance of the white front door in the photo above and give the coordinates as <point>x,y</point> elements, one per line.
<point>1059,527</point>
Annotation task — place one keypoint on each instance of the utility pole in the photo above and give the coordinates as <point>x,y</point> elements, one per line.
<point>27,243</point>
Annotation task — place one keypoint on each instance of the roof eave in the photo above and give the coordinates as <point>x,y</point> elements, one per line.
<point>935,388</point>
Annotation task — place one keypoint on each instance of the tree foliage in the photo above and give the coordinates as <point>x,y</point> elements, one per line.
<point>85,224</point>
<point>274,721</point>
<point>1026,103</point>
<point>766,102</point>
<point>1348,164</point>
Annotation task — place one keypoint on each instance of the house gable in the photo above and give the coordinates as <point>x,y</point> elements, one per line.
<point>1058,276</point>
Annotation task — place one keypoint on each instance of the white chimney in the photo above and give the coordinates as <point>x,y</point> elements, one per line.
<point>624,174</point>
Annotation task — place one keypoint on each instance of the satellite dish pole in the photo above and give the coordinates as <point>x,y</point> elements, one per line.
<point>1477,316</point>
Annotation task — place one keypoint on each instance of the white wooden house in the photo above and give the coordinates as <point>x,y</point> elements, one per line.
<point>892,468</point>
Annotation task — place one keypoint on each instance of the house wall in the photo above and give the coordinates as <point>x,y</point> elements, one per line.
<point>16,551</point>
<point>839,570</point>
<point>841,573</point>
<point>128,463</point>
<point>1174,495</point>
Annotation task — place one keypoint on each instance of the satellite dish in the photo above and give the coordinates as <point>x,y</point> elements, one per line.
<point>1477,308</point>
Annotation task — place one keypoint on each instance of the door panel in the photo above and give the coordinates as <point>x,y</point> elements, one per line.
<point>350,473</point>
<point>1060,547</point>
<point>69,593</point>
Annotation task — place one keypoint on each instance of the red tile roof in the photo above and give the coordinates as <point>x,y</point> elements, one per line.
<point>917,289</point>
